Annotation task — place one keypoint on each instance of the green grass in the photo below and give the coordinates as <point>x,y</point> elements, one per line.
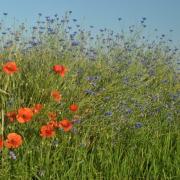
<point>100,146</point>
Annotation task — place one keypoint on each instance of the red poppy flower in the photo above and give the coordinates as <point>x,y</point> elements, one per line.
<point>11,115</point>
<point>56,96</point>
<point>1,142</point>
<point>54,124</point>
<point>60,69</point>
<point>13,140</point>
<point>47,131</point>
<point>66,125</point>
<point>10,67</point>
<point>24,115</point>
<point>37,108</point>
<point>73,107</point>
<point>52,116</point>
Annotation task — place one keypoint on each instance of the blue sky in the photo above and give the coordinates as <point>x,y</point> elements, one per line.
<point>161,14</point>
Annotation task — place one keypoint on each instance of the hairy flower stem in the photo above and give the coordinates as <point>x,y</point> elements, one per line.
<point>2,113</point>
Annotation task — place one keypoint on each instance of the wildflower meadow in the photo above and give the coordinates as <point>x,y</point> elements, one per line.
<point>82,105</point>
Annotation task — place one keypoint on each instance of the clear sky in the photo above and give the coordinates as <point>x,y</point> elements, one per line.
<point>161,14</point>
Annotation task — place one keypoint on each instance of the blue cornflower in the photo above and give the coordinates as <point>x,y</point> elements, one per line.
<point>50,29</point>
<point>41,27</point>
<point>131,30</point>
<point>34,27</point>
<point>151,72</point>
<point>138,125</point>
<point>47,18</point>
<point>90,92</point>
<point>92,78</point>
<point>129,111</point>
<point>75,43</point>
<point>52,21</point>
<point>108,113</point>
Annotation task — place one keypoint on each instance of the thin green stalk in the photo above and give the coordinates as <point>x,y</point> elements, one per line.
<point>2,114</point>
<point>4,92</point>
<point>2,129</point>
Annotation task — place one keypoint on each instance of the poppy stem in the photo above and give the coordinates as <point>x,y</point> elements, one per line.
<point>2,132</point>
<point>2,115</point>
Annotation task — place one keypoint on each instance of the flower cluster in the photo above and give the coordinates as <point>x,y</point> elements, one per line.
<point>26,114</point>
